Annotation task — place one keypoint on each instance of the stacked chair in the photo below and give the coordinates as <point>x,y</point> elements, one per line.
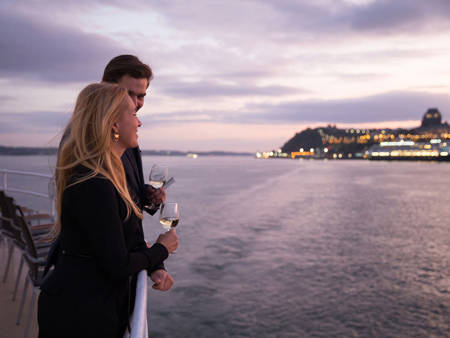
<point>22,230</point>
<point>7,229</point>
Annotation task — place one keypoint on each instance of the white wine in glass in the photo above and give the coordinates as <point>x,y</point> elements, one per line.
<point>158,176</point>
<point>170,215</point>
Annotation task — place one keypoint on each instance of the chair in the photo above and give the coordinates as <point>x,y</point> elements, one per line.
<point>17,227</point>
<point>35,260</point>
<point>8,229</point>
<point>2,235</point>
<point>39,233</point>
<point>13,234</point>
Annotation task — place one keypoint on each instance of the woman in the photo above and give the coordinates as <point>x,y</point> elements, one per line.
<point>101,246</point>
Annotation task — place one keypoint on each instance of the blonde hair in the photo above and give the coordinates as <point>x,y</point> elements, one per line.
<point>89,143</point>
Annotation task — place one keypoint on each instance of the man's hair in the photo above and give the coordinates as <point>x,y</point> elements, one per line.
<point>126,65</point>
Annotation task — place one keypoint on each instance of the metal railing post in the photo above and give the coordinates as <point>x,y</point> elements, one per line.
<point>138,320</point>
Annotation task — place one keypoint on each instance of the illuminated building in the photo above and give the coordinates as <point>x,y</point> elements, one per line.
<point>431,118</point>
<point>410,150</point>
<point>356,143</point>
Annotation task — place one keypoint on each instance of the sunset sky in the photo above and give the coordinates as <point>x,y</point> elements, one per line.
<point>229,75</point>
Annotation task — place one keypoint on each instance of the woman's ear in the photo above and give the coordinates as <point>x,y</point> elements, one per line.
<point>115,127</point>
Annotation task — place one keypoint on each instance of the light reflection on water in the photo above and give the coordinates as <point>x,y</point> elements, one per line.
<point>305,248</point>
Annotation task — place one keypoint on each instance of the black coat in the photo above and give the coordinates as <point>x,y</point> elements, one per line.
<point>88,292</point>
<point>132,164</point>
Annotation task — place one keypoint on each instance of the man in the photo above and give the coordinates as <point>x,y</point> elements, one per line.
<point>133,75</point>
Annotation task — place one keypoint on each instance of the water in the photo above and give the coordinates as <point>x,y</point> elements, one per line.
<point>282,248</point>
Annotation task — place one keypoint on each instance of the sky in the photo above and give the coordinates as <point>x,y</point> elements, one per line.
<point>228,75</point>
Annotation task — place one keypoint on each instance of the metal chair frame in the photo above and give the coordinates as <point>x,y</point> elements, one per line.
<point>17,228</point>
<point>35,261</point>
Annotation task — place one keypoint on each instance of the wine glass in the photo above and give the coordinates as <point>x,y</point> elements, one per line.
<point>158,176</point>
<point>170,215</point>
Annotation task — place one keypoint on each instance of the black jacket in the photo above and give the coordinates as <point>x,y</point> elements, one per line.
<point>88,292</point>
<point>132,163</point>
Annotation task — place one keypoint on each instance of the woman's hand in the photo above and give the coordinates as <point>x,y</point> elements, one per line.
<point>169,239</point>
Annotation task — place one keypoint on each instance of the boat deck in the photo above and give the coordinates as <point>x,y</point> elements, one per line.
<point>8,308</point>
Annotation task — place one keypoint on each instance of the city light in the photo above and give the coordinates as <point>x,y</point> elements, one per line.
<point>399,143</point>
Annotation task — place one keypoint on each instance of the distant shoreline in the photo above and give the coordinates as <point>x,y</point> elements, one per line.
<point>25,151</point>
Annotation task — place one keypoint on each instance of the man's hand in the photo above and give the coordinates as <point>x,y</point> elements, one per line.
<point>169,239</point>
<point>156,196</point>
<point>162,280</point>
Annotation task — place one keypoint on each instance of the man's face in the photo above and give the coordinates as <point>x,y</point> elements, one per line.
<point>127,125</point>
<point>136,88</point>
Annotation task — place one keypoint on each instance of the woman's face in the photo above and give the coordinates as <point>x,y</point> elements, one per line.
<point>128,125</point>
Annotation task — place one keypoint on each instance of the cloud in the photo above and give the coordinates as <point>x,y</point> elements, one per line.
<point>292,20</point>
<point>406,16</point>
<point>289,20</point>
<point>393,106</point>
<point>33,48</point>
<point>211,89</point>
<point>359,76</point>
<point>182,116</point>
<point>5,98</point>
<point>334,18</point>
<point>219,34</point>
<point>36,122</point>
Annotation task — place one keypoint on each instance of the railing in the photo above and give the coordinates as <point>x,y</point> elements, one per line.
<point>138,320</point>
<point>6,188</point>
